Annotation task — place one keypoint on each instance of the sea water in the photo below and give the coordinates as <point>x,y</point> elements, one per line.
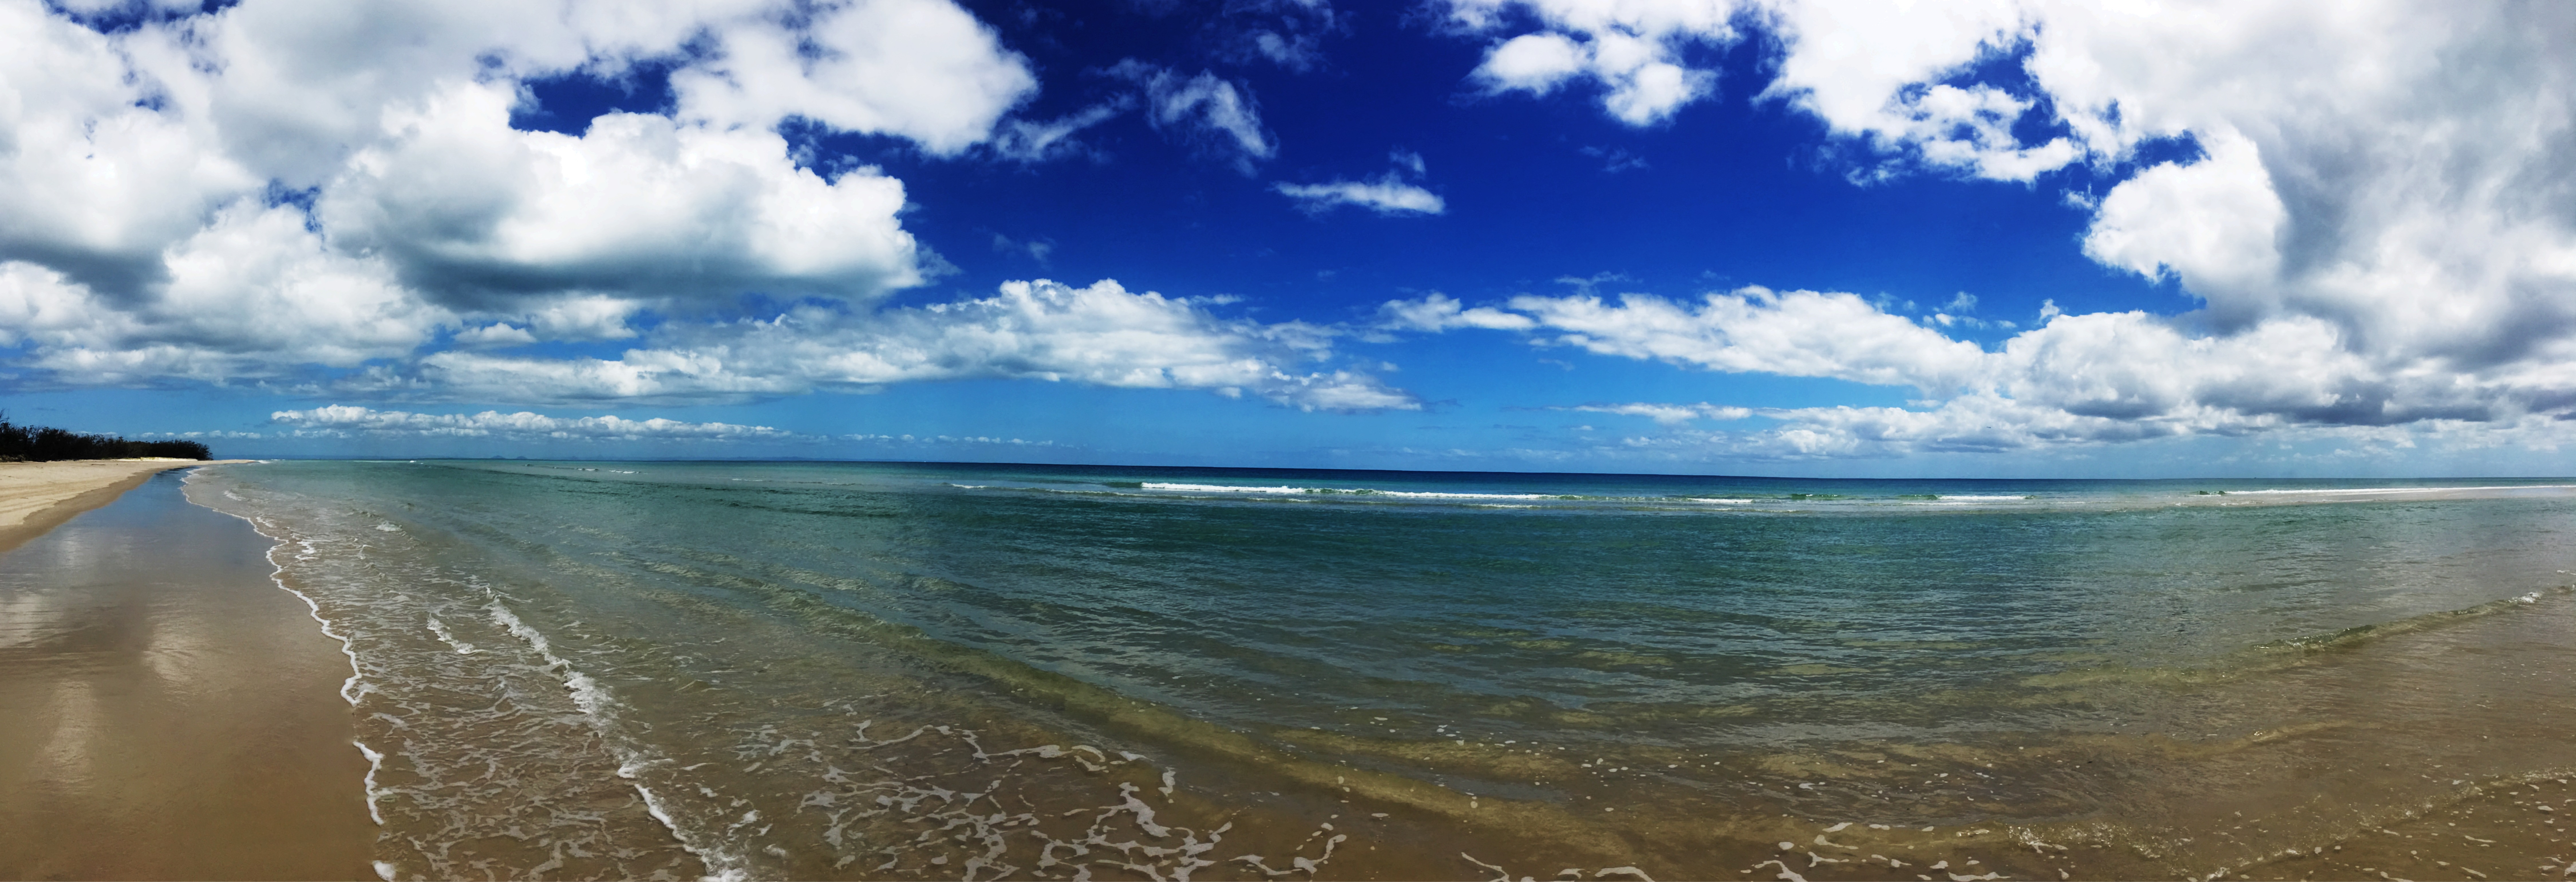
<point>687,669</point>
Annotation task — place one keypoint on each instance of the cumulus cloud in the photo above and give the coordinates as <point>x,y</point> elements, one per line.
<point>2368,219</point>
<point>476,213</point>
<point>333,197</point>
<point>392,120</point>
<point>343,419</point>
<point>1633,51</point>
<point>920,69</point>
<point>1871,73</point>
<point>1877,75</point>
<point>2076,379</point>
<point>254,294</point>
<point>94,182</point>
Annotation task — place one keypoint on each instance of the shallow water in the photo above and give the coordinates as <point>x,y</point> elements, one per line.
<point>806,670</point>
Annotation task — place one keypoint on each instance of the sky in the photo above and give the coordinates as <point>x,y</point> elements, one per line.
<point>1989,238</point>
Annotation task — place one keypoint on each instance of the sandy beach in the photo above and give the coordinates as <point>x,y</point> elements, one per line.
<point>172,714</point>
<point>37,496</point>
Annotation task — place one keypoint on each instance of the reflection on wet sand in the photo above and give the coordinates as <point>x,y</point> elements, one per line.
<point>173,712</point>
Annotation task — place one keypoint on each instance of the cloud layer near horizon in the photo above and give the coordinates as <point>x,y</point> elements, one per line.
<point>343,419</point>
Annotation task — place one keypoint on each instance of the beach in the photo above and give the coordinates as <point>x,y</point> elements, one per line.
<point>172,714</point>
<point>781,670</point>
<point>37,496</point>
<point>751,670</point>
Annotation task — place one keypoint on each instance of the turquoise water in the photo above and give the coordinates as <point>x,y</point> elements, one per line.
<point>631,669</point>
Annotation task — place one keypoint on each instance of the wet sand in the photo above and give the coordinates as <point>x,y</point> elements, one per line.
<point>169,712</point>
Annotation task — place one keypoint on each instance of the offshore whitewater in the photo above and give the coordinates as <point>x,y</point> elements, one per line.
<point>675,670</point>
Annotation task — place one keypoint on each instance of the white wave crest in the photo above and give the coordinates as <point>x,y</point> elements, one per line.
<point>1222,488</point>
<point>1340,491</point>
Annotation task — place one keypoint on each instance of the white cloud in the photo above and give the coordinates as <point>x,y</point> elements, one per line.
<point>1211,109</point>
<point>93,181</point>
<point>1871,72</point>
<point>255,294</point>
<point>920,69</point>
<point>2367,210</point>
<point>1633,50</point>
<point>118,147</point>
<point>2076,379</point>
<point>1667,414</point>
<point>1101,334</point>
<point>1028,141</point>
<point>1531,63</point>
<point>1386,195</point>
<point>1440,312</point>
<point>495,334</point>
<point>477,212</point>
<point>1796,333</point>
<point>1875,73</point>
<point>144,235</point>
<point>2233,245</point>
<point>343,419</point>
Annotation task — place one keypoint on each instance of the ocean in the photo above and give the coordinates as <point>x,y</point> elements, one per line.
<point>865,670</point>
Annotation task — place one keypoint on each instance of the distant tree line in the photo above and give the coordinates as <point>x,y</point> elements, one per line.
<point>47,444</point>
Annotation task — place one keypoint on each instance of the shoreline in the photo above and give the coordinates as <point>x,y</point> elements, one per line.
<point>36,497</point>
<point>175,713</point>
<point>2322,764</point>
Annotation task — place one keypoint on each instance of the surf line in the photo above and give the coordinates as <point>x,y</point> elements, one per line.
<point>599,709</point>
<point>352,689</point>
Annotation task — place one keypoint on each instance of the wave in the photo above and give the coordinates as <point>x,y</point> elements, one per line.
<point>441,768</point>
<point>2365,633</point>
<point>350,689</point>
<point>1338,491</point>
<point>1219,488</point>
<point>601,710</point>
<point>2276,654</point>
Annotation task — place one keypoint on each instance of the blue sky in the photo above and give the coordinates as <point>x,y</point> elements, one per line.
<point>1776,237</point>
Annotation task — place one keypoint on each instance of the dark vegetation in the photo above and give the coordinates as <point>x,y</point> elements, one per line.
<point>46,444</point>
